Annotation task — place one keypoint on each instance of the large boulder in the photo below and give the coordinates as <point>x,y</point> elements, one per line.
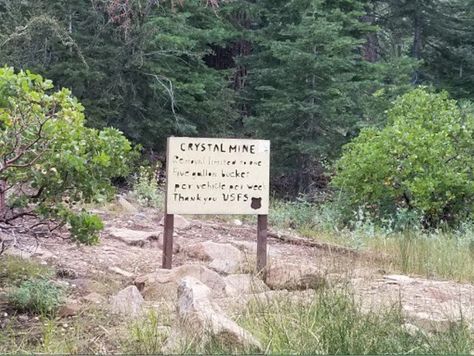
<point>222,258</point>
<point>128,302</point>
<point>163,283</point>
<point>294,277</point>
<point>200,316</point>
<point>242,284</point>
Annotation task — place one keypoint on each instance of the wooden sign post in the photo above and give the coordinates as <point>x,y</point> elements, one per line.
<point>217,176</point>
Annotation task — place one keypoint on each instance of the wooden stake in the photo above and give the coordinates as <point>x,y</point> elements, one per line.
<point>262,244</point>
<point>168,241</point>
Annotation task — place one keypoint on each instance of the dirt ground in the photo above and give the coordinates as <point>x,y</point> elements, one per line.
<point>113,264</point>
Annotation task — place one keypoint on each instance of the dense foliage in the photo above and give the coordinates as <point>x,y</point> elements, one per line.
<point>48,160</point>
<point>422,161</point>
<point>308,74</point>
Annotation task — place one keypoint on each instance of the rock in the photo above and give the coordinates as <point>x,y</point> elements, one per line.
<point>126,205</point>
<point>127,302</point>
<point>250,249</point>
<point>10,250</point>
<point>43,254</point>
<point>65,272</point>
<point>411,329</point>
<point>239,284</point>
<point>94,298</point>
<point>180,222</point>
<point>120,271</point>
<point>294,277</point>
<point>237,222</point>
<point>397,279</point>
<point>200,316</point>
<point>23,318</point>
<point>134,237</point>
<point>141,238</point>
<point>71,308</point>
<point>163,283</point>
<point>224,258</point>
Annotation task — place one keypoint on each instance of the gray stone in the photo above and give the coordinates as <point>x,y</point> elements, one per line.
<point>223,258</point>
<point>200,316</point>
<point>163,283</point>
<point>126,205</point>
<point>141,238</point>
<point>237,222</point>
<point>121,272</point>
<point>128,302</point>
<point>94,298</point>
<point>294,277</point>
<point>70,308</point>
<point>397,279</point>
<point>180,223</point>
<point>240,284</point>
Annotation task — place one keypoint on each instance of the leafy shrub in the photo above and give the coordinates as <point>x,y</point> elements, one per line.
<point>85,227</point>
<point>38,296</point>
<point>50,161</point>
<point>146,189</point>
<point>421,162</point>
<point>292,214</point>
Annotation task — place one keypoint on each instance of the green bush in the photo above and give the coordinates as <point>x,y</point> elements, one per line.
<point>49,160</point>
<point>38,296</point>
<point>421,162</point>
<point>85,227</point>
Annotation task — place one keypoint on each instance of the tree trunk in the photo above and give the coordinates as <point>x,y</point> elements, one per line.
<point>417,36</point>
<point>417,41</point>
<point>3,200</point>
<point>370,50</point>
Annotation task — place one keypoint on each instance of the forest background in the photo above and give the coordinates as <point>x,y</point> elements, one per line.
<point>307,74</point>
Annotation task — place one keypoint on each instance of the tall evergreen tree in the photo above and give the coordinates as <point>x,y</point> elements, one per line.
<point>307,80</point>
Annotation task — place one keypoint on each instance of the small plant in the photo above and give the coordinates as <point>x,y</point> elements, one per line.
<point>292,214</point>
<point>146,189</point>
<point>85,228</point>
<point>14,270</point>
<point>148,335</point>
<point>38,296</point>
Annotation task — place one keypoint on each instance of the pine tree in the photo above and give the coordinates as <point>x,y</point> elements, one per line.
<point>308,80</point>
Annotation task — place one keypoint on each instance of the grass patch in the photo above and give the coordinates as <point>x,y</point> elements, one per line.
<point>148,335</point>
<point>37,296</point>
<point>94,331</point>
<point>333,323</point>
<point>436,254</point>
<point>14,270</point>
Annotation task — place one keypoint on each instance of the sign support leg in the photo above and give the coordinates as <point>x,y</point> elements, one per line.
<point>262,244</point>
<point>168,241</point>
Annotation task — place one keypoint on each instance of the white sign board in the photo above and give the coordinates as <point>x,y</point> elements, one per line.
<point>217,176</point>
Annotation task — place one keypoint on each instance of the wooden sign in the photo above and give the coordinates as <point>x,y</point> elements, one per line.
<point>217,176</point>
